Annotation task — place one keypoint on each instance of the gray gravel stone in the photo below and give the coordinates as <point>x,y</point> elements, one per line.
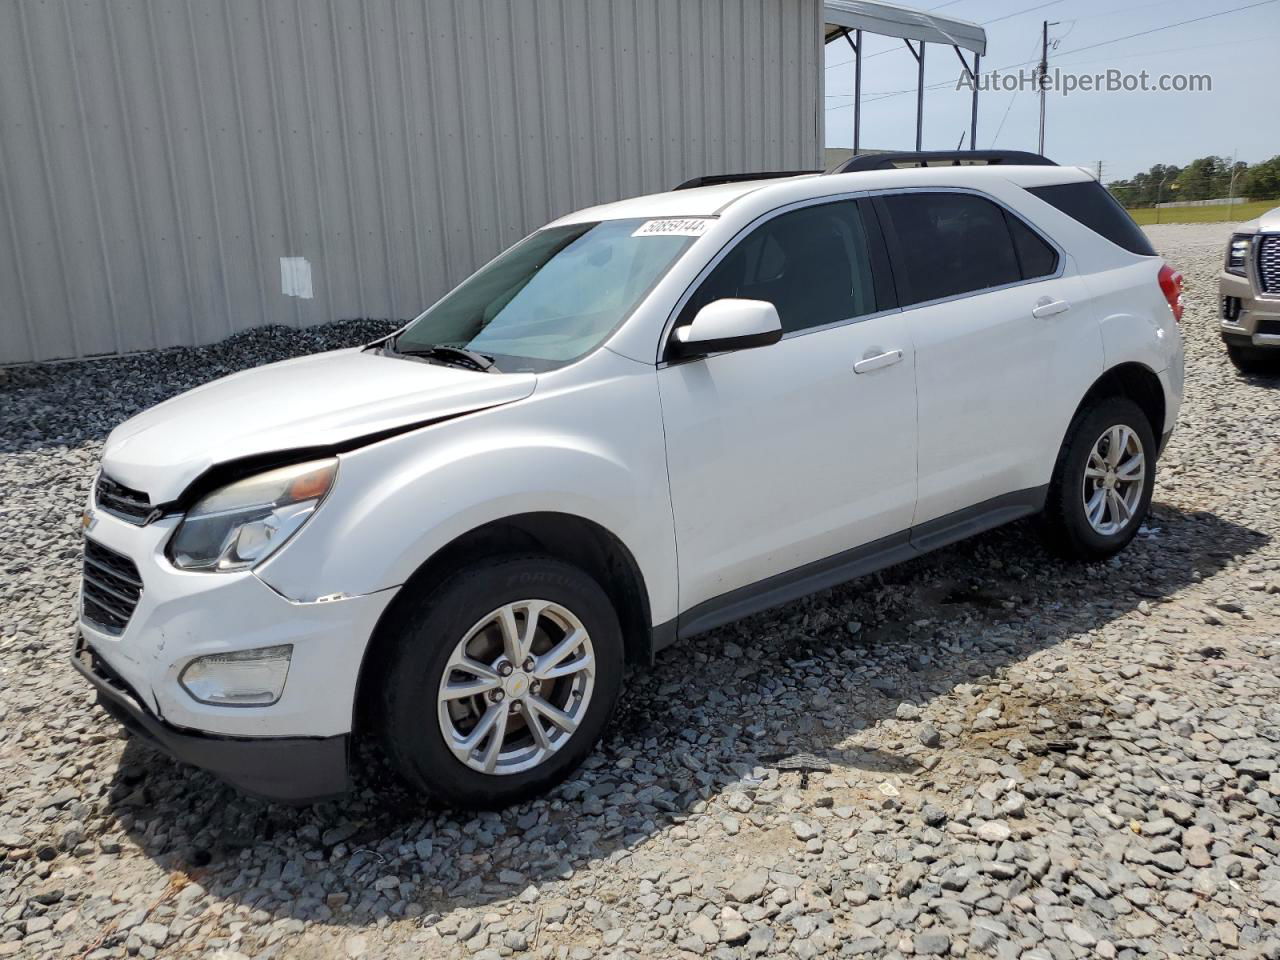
<point>932,944</point>
<point>749,886</point>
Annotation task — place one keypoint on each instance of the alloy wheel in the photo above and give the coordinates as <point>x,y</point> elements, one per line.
<point>1113,480</point>
<point>516,687</point>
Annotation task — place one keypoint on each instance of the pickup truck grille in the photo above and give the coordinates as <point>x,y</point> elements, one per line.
<point>1269,263</point>
<point>118,500</point>
<point>112,588</point>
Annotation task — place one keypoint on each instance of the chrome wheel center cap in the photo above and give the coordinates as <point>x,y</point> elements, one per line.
<point>516,685</point>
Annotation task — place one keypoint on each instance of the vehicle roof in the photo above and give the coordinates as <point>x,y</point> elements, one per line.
<point>711,201</point>
<point>694,202</point>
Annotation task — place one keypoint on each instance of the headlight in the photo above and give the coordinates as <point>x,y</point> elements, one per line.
<point>1238,253</point>
<point>244,523</point>
<point>245,678</point>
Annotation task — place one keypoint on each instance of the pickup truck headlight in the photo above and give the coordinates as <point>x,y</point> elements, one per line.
<point>245,522</point>
<point>1238,253</point>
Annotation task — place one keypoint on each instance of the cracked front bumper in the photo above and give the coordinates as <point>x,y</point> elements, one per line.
<point>294,749</point>
<point>290,769</point>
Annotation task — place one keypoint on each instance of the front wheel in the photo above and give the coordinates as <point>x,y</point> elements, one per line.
<point>1102,483</point>
<point>501,681</point>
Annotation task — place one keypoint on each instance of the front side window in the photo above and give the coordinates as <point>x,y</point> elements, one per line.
<point>947,244</point>
<point>812,264</point>
<point>551,298</point>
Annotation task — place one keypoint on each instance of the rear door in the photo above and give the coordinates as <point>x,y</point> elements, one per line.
<point>784,455</point>
<point>1005,341</point>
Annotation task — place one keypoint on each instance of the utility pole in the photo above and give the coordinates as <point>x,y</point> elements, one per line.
<point>1044,72</point>
<point>1231,190</point>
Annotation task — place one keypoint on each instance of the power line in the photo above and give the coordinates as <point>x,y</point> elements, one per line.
<point>1008,107</point>
<point>1110,14</point>
<point>1199,46</point>
<point>885,94</point>
<point>1169,26</point>
<point>1018,13</point>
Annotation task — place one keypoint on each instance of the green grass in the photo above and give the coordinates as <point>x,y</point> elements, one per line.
<point>1220,212</point>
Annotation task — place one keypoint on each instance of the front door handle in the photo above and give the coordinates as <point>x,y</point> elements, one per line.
<point>886,359</point>
<point>1048,307</point>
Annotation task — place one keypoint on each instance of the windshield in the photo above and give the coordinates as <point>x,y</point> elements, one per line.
<point>551,298</point>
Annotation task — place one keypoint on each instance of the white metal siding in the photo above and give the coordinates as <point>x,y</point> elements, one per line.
<point>159,157</point>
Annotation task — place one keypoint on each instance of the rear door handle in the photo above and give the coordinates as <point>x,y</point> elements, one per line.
<point>1048,307</point>
<point>886,359</point>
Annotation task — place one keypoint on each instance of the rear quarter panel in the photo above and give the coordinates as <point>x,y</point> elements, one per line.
<point>1133,317</point>
<point>1138,326</point>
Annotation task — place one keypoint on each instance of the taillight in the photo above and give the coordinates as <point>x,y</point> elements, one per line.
<point>1171,287</point>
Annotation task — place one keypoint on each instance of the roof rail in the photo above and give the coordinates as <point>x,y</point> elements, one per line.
<point>940,158</point>
<point>714,178</point>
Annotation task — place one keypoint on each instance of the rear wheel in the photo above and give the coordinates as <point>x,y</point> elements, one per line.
<point>1254,359</point>
<point>501,681</point>
<point>1102,483</point>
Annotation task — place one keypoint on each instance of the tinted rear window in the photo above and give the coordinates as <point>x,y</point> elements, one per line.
<point>947,244</point>
<point>1091,205</point>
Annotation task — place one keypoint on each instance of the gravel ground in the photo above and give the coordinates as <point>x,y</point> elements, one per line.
<point>986,752</point>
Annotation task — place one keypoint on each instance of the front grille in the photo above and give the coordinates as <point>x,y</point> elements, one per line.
<point>119,501</point>
<point>112,587</point>
<point>1269,328</point>
<point>1269,263</point>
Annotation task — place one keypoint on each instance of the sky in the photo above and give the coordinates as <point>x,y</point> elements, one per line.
<point>1127,131</point>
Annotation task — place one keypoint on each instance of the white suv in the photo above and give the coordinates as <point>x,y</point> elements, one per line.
<point>644,420</point>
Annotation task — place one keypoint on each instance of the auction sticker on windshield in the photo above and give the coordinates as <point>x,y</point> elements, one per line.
<point>673,227</point>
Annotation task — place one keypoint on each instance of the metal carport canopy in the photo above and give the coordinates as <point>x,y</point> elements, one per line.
<point>851,18</point>
<point>891,20</point>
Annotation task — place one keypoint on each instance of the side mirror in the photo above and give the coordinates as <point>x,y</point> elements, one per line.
<point>727,324</point>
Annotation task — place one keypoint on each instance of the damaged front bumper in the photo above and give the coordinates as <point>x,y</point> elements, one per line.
<point>290,769</point>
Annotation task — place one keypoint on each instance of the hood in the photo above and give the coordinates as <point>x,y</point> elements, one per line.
<point>323,400</point>
<point>1269,222</point>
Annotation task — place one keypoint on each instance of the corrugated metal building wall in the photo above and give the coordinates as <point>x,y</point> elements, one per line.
<point>158,158</point>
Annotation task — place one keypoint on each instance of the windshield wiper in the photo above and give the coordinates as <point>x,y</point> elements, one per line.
<point>456,356</point>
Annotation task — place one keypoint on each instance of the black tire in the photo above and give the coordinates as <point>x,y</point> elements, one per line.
<point>1254,360</point>
<point>1066,525</point>
<point>424,633</point>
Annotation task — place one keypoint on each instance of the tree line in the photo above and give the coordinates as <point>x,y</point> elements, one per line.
<point>1207,178</point>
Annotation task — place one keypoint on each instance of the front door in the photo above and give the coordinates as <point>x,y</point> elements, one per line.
<point>784,455</point>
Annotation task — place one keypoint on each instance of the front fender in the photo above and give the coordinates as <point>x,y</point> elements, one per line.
<point>398,502</point>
